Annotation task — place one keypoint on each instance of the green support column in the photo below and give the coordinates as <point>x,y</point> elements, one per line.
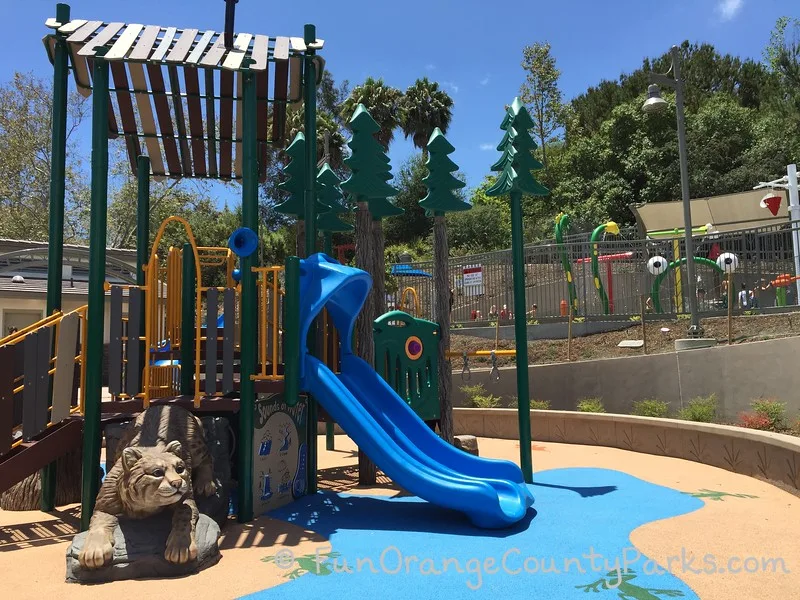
<point>188,296</point>
<point>291,343</point>
<point>521,338</point>
<point>142,237</point>
<point>97,264</point>
<point>55,247</point>
<point>249,317</point>
<point>310,107</point>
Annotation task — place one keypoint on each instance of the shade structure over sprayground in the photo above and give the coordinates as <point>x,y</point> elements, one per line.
<point>490,492</point>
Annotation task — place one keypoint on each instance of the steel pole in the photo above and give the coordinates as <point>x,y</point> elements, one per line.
<point>249,317</point>
<point>694,329</point>
<point>521,339</point>
<point>310,219</point>
<point>96,310</point>
<point>55,246</point>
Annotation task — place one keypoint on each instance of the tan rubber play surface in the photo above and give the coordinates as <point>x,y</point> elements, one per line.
<point>741,518</point>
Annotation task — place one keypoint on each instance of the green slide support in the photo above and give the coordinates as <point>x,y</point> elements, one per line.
<point>674,264</point>
<point>612,228</point>
<point>562,224</point>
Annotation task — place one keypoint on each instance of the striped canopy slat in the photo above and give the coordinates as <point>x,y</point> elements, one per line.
<point>225,124</point>
<point>164,119</point>
<point>126,113</point>
<point>194,131</point>
<point>211,124</point>
<point>195,120</point>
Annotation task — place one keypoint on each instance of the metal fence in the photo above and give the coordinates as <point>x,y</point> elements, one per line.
<point>483,284</point>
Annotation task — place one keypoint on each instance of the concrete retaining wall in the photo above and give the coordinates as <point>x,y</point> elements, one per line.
<point>737,374</point>
<point>773,456</point>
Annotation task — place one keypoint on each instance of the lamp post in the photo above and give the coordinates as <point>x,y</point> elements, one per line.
<point>655,103</point>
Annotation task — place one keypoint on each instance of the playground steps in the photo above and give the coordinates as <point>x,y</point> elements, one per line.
<point>30,456</point>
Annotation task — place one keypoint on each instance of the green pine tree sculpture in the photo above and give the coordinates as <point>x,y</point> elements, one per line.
<point>295,185</point>
<point>440,181</point>
<point>328,194</point>
<point>369,166</point>
<point>517,161</point>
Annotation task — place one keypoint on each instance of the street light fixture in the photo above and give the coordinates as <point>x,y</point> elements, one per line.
<point>654,104</point>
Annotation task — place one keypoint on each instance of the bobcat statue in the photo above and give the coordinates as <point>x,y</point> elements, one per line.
<point>162,462</point>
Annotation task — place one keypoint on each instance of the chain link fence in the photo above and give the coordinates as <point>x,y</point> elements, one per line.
<point>482,284</point>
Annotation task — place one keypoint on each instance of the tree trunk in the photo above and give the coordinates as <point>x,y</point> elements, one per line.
<point>379,274</point>
<point>441,308</point>
<point>365,347</point>
<point>25,495</point>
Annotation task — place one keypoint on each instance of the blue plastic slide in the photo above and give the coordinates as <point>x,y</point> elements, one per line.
<point>490,492</point>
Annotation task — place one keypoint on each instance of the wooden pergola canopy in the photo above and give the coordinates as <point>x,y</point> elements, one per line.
<point>178,92</point>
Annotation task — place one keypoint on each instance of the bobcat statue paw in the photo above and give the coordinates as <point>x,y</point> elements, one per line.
<point>97,552</point>
<point>181,548</point>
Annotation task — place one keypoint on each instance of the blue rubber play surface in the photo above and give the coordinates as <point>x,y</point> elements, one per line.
<point>568,546</point>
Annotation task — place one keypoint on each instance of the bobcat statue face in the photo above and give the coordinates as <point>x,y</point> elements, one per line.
<point>153,478</point>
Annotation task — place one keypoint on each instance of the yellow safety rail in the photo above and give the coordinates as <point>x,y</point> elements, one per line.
<point>452,354</point>
<point>216,256</point>
<point>413,293</point>
<point>270,295</point>
<point>53,320</point>
<point>161,381</point>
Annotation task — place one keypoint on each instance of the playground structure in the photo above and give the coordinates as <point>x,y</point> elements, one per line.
<point>280,337</point>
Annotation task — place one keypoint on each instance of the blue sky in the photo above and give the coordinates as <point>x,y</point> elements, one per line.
<point>473,48</point>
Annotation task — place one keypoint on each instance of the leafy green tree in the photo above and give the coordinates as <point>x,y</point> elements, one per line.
<point>482,229</point>
<point>26,106</point>
<point>413,224</point>
<point>540,92</point>
<point>383,103</point>
<point>423,108</point>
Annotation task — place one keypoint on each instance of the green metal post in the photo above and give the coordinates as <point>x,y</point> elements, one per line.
<point>291,343</point>
<point>97,264</point>
<point>521,338</point>
<point>55,246</point>
<point>142,220</point>
<point>330,439</point>
<point>142,237</point>
<point>188,322</point>
<point>249,317</point>
<point>310,104</point>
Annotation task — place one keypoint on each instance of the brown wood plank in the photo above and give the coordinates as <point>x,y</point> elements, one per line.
<point>64,377</point>
<point>164,44</point>
<point>215,54</point>
<point>260,53</point>
<point>28,459</point>
<point>200,47</point>
<point>123,44</point>
<point>225,123</point>
<point>211,123</point>
<point>164,119</point>
<point>6,397</point>
<point>180,119</point>
<point>80,71</point>
<point>145,44</point>
<point>195,119</point>
<point>139,83</point>
<point>182,46</point>
<point>281,50</point>
<point>279,104</point>
<point>126,113</point>
<point>295,84</point>
<point>101,39</point>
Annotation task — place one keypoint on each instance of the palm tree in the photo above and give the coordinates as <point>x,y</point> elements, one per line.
<point>326,123</point>
<point>383,103</point>
<point>425,107</point>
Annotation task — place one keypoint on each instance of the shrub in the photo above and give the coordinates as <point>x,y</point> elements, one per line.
<point>702,409</point>
<point>795,428</point>
<point>478,397</point>
<point>650,407</point>
<point>540,404</point>
<point>593,405</point>
<point>773,411</point>
<point>753,421</point>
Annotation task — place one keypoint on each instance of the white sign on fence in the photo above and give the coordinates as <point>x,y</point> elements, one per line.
<point>472,280</point>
